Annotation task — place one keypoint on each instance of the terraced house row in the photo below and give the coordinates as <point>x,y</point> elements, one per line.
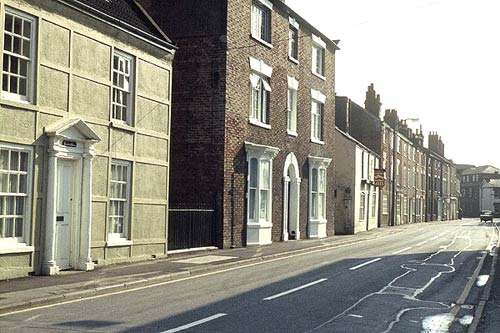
<point>416,183</point>
<point>129,129</point>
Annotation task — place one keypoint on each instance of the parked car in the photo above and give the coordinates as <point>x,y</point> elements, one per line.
<point>486,215</point>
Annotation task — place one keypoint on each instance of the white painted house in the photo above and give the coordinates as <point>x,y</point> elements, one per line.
<point>357,197</point>
<point>490,196</point>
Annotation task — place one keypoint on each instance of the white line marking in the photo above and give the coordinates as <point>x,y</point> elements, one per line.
<point>355,316</point>
<point>33,318</point>
<point>364,264</point>
<point>422,243</point>
<point>195,323</point>
<point>433,238</point>
<point>188,278</point>
<point>294,290</point>
<point>403,250</point>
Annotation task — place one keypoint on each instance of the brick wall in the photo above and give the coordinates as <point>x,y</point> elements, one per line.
<point>211,103</point>
<point>240,47</point>
<point>198,28</point>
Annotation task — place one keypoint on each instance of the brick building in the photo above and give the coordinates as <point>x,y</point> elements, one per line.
<point>403,159</point>
<point>442,202</point>
<point>471,181</point>
<point>253,113</point>
<point>420,183</point>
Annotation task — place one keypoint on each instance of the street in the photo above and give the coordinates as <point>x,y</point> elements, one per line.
<point>426,278</point>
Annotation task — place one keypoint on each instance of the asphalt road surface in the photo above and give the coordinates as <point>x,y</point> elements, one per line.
<point>423,279</point>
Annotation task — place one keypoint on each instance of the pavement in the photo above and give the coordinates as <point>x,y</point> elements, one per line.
<point>488,309</point>
<point>24,293</point>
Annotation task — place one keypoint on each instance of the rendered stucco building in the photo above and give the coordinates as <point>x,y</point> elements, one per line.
<point>490,196</point>
<point>357,199</point>
<point>84,135</point>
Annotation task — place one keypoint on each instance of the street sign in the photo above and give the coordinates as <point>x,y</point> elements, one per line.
<point>379,179</point>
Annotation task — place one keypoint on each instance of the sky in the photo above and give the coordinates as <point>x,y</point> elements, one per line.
<point>435,60</point>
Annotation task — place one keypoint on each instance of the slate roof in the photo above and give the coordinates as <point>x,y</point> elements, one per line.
<point>125,13</point>
<point>484,169</point>
<point>354,140</point>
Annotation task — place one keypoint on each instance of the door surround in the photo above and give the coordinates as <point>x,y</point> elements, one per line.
<point>291,198</point>
<point>70,139</point>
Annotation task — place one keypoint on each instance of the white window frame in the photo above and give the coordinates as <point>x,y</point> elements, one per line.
<point>318,193</point>
<point>318,52</point>
<point>261,21</point>
<point>317,209</point>
<point>17,244</point>
<point>262,154</point>
<point>317,116</point>
<point>398,164</point>
<point>374,204</point>
<point>362,203</point>
<point>31,60</point>
<point>120,238</point>
<point>260,93</point>
<point>262,190</point>
<point>385,204</point>
<point>292,100</point>
<point>293,40</point>
<point>120,107</point>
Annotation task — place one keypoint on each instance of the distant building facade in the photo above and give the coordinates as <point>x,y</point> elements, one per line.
<point>472,179</point>
<point>490,196</point>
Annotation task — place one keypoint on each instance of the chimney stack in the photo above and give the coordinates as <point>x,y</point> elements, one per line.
<point>435,143</point>
<point>372,101</point>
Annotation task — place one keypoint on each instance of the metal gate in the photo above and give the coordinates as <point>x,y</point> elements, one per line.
<point>190,226</point>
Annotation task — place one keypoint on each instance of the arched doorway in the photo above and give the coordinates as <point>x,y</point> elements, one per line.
<point>291,198</point>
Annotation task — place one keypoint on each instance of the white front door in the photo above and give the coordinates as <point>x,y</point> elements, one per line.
<point>64,213</point>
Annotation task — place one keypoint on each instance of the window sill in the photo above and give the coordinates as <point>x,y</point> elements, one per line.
<point>260,224</point>
<point>16,248</point>
<point>292,59</point>
<point>291,133</point>
<point>258,123</point>
<point>319,75</point>
<point>18,103</point>
<point>318,221</point>
<point>119,242</point>
<point>263,42</point>
<point>123,126</point>
<point>319,142</point>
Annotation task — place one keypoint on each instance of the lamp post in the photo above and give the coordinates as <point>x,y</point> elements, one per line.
<point>394,166</point>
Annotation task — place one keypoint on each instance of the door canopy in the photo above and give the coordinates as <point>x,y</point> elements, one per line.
<point>72,129</point>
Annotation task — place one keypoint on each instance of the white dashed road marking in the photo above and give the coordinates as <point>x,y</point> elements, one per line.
<point>355,316</point>
<point>195,323</point>
<point>364,264</point>
<point>403,250</point>
<point>294,290</point>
